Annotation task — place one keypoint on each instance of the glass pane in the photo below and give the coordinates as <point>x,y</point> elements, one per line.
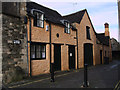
<point>68,30</point>
<point>35,19</point>
<point>41,17</point>
<point>43,54</point>
<point>38,16</point>
<point>32,47</point>
<point>88,32</point>
<point>68,25</point>
<point>37,47</point>
<point>38,23</point>
<point>38,55</point>
<point>35,13</point>
<point>32,54</point>
<point>43,47</point>
<point>41,23</point>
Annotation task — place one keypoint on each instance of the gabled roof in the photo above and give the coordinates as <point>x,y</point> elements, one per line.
<point>52,16</point>
<point>102,38</point>
<point>75,17</point>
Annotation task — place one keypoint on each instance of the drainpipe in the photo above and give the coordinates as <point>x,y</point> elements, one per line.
<point>27,51</point>
<point>26,18</point>
<point>30,42</point>
<point>103,54</point>
<point>50,45</point>
<point>51,64</point>
<point>77,47</point>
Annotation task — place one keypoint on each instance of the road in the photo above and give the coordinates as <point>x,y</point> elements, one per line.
<point>99,76</point>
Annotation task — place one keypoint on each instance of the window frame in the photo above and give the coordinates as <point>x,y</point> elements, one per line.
<point>36,19</point>
<point>67,27</point>
<point>88,33</point>
<point>35,52</point>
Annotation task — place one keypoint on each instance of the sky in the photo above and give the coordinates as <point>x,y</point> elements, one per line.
<point>100,12</point>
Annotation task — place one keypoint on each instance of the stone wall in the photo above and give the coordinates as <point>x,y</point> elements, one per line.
<point>115,45</point>
<point>0,51</point>
<point>14,61</point>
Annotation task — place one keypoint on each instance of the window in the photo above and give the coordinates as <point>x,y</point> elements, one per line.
<point>67,27</point>
<point>88,32</point>
<point>38,51</point>
<point>38,19</point>
<point>105,53</point>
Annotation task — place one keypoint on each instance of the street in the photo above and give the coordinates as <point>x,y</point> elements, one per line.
<point>99,76</point>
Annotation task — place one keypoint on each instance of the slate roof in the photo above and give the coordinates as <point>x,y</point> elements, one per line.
<point>102,38</point>
<point>50,15</point>
<point>75,17</point>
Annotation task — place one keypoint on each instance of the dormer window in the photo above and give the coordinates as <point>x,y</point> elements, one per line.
<point>38,19</point>
<point>67,27</point>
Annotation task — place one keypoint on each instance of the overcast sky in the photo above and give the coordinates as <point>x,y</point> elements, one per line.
<point>99,11</point>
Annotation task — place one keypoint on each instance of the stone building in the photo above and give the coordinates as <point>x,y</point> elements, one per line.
<point>14,41</point>
<point>34,36</point>
<point>115,49</point>
<point>115,45</point>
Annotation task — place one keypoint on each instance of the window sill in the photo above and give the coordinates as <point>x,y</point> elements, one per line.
<point>88,39</point>
<point>38,58</point>
<point>38,27</point>
<point>67,33</point>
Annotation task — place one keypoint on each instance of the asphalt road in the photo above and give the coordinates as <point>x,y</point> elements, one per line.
<point>100,76</point>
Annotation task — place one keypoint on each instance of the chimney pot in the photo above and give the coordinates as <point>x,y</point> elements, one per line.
<point>106,29</point>
<point>106,25</point>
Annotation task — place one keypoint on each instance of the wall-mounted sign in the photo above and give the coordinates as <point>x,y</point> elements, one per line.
<point>47,27</point>
<point>16,41</point>
<point>70,54</point>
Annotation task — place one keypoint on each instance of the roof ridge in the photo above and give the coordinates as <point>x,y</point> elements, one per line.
<point>75,12</point>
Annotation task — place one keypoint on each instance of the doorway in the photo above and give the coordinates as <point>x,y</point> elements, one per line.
<point>57,57</point>
<point>100,56</point>
<point>88,54</point>
<point>71,57</point>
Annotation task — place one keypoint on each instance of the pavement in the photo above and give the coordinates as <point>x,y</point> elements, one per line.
<point>99,76</point>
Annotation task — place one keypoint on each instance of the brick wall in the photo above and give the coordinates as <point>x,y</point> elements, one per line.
<point>41,35</point>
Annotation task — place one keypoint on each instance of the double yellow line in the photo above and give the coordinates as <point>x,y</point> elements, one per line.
<point>37,81</point>
<point>116,87</point>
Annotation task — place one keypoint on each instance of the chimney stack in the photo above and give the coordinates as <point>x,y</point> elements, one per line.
<point>106,29</point>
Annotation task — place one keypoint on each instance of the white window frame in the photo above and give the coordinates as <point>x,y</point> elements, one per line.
<point>67,27</point>
<point>39,19</point>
